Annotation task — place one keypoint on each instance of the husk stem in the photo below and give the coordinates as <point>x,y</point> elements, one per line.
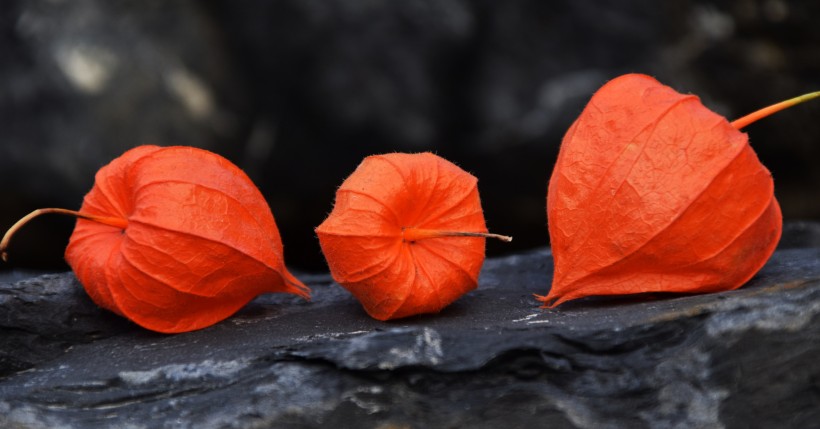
<point>774,108</point>
<point>415,234</point>
<point>110,221</point>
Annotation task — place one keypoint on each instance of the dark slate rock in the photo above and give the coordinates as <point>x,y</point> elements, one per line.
<point>798,234</point>
<point>493,359</point>
<point>43,316</point>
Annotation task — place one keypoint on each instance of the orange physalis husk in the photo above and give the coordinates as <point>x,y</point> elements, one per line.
<point>653,192</point>
<point>406,234</point>
<point>175,239</point>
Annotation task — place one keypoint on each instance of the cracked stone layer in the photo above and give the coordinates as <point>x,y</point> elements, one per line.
<point>493,358</point>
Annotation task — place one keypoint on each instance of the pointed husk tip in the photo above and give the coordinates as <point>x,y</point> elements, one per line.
<point>549,301</point>
<point>295,286</point>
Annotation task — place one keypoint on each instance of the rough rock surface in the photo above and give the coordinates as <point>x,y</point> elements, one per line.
<point>493,359</point>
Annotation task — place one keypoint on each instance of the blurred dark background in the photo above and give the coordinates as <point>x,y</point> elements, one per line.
<point>297,92</point>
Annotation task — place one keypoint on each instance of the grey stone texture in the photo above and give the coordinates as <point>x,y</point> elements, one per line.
<point>742,358</point>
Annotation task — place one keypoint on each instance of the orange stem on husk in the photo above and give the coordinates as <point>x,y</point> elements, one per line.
<point>106,220</point>
<point>774,108</point>
<point>415,234</point>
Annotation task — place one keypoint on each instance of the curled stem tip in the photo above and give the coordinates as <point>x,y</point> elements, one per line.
<point>110,221</point>
<point>774,108</point>
<point>415,234</point>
